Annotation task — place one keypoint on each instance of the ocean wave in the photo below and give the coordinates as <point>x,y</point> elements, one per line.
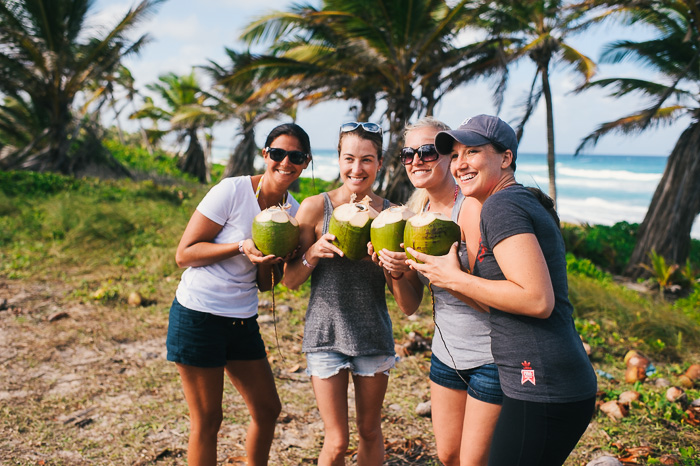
<point>599,211</point>
<point>618,175</point>
<point>626,186</point>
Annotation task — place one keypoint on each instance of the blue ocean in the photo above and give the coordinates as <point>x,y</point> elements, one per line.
<point>594,189</point>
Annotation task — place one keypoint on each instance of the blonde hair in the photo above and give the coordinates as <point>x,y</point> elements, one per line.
<point>419,197</point>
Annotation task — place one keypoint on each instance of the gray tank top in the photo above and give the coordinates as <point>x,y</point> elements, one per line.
<point>347,310</point>
<point>464,330</point>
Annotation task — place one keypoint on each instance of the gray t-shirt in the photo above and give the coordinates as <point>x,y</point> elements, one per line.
<point>464,329</point>
<point>347,310</point>
<point>540,360</point>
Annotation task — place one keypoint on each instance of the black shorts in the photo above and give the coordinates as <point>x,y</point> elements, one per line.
<point>206,340</point>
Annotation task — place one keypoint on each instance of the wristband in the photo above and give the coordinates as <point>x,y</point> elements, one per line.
<point>306,263</point>
<point>240,247</point>
<point>396,278</point>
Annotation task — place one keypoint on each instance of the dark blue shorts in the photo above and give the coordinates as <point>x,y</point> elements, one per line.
<point>206,340</point>
<point>483,382</point>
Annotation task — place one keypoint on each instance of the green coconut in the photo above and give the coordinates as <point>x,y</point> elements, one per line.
<point>431,233</point>
<point>275,232</point>
<point>350,224</point>
<point>387,229</point>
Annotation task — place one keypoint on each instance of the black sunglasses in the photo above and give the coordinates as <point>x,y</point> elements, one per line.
<point>426,153</point>
<point>297,157</point>
<point>367,126</point>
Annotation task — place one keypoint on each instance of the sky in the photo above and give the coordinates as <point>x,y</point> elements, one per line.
<point>186,34</point>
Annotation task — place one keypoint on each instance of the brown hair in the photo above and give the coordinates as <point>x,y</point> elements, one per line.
<point>546,202</point>
<point>374,138</point>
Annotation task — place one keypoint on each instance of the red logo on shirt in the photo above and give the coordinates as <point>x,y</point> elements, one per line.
<point>482,251</point>
<point>528,374</point>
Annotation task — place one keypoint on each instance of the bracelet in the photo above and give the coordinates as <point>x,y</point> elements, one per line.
<point>306,263</point>
<point>240,247</point>
<point>396,278</point>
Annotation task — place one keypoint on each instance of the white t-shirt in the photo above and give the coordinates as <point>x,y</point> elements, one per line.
<point>226,288</point>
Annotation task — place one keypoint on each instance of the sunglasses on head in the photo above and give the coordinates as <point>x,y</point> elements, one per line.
<point>353,125</point>
<point>297,157</point>
<point>426,153</point>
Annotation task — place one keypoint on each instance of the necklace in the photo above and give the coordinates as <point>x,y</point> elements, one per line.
<point>427,205</point>
<point>259,189</point>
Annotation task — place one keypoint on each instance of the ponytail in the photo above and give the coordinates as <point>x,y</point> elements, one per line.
<point>546,202</point>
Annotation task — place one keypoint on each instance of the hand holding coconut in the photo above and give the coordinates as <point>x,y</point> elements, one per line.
<point>440,270</point>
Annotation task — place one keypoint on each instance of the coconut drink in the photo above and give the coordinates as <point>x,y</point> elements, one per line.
<point>275,231</point>
<point>386,231</point>
<point>350,224</point>
<point>431,233</point>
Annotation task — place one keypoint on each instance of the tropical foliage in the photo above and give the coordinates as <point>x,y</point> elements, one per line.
<point>248,101</point>
<point>538,31</point>
<point>188,113</point>
<point>402,55</point>
<point>47,57</point>
<point>673,55</point>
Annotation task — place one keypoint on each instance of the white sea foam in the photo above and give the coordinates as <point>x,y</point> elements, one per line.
<point>628,186</point>
<point>618,175</point>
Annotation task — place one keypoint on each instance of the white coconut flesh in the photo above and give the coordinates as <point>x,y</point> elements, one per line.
<point>276,215</point>
<point>392,215</point>
<point>355,214</point>
<point>426,218</point>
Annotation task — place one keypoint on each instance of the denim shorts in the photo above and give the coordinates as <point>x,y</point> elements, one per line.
<point>206,340</point>
<point>327,364</point>
<point>483,382</point>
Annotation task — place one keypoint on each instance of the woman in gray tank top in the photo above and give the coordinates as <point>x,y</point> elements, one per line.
<point>464,385</point>
<point>347,327</point>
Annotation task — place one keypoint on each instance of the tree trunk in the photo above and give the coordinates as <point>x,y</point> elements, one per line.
<point>676,203</point>
<point>551,162</point>
<point>242,160</point>
<point>193,160</point>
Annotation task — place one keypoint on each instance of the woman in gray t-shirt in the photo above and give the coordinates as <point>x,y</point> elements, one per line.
<point>548,383</point>
<point>465,392</point>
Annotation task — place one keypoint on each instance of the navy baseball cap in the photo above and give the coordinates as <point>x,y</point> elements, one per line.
<point>477,131</point>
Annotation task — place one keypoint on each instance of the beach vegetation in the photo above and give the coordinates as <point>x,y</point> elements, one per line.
<point>73,250</point>
<point>189,114</point>
<point>672,55</point>
<point>48,57</point>
<point>242,95</point>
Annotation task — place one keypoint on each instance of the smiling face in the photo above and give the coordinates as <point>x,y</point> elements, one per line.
<point>359,162</point>
<point>480,170</point>
<point>284,172</point>
<point>426,174</point>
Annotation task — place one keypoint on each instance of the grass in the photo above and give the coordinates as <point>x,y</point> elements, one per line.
<point>93,387</point>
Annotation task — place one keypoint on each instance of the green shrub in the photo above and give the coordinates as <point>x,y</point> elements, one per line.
<point>30,184</point>
<point>608,247</point>
<point>585,268</point>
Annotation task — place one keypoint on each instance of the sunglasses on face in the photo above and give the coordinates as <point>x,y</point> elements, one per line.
<point>353,125</point>
<point>426,153</point>
<point>297,157</point>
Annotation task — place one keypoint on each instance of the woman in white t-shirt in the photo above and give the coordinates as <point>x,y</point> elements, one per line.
<point>212,328</point>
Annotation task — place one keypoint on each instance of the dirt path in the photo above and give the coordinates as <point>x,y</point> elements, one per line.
<point>86,383</point>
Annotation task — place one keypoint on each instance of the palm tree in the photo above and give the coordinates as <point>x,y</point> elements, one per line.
<point>46,59</point>
<point>248,101</point>
<point>675,55</point>
<point>402,54</point>
<point>188,113</point>
<point>538,30</point>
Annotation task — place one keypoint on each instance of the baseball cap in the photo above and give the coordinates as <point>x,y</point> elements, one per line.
<point>477,131</point>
